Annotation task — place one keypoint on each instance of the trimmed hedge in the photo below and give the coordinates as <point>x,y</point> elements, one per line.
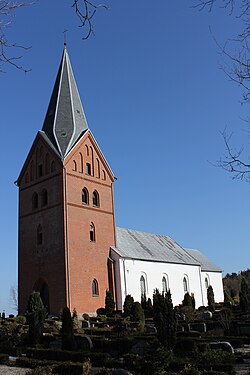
<point>57,355</point>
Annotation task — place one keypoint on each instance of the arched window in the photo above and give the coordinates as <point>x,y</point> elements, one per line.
<point>81,163</point>
<point>53,166</point>
<point>143,286</point>
<point>47,163</point>
<point>41,152</point>
<point>31,171</point>
<point>44,198</point>
<point>74,166</point>
<point>207,283</point>
<point>185,284</point>
<point>95,198</point>
<point>92,236</point>
<point>95,289</point>
<point>87,150</point>
<point>98,168</point>
<point>88,168</point>
<point>39,233</point>
<point>34,201</point>
<point>85,196</point>
<point>40,170</point>
<point>164,284</point>
<point>103,175</point>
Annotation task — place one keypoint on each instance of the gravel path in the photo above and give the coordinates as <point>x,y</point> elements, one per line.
<point>6,370</point>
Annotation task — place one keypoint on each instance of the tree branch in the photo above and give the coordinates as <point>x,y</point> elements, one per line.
<point>85,11</point>
<point>233,162</point>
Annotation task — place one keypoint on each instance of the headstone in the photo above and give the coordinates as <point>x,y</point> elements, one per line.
<point>56,344</point>
<point>200,327</point>
<point>85,324</point>
<point>119,371</point>
<point>84,342</point>
<point>206,315</point>
<point>140,347</point>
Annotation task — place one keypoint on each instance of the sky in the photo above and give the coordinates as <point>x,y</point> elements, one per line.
<point>156,101</point>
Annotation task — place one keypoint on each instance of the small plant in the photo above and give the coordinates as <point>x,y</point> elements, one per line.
<point>190,370</point>
<point>86,367</point>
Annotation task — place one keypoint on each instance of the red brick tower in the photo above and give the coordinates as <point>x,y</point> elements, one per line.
<point>66,208</point>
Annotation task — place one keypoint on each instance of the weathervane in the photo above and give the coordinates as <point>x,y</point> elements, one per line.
<point>64,36</point>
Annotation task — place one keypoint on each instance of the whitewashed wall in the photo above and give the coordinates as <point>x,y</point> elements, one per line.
<point>130,272</point>
<point>215,280</point>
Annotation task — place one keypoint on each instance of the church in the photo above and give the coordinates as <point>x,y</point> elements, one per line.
<point>69,248</point>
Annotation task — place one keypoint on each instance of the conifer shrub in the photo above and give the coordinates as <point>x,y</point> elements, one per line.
<point>187,301</point>
<point>109,303</point>
<point>68,342</point>
<point>127,307</point>
<point>244,295</point>
<point>35,316</point>
<point>164,318</point>
<point>210,298</point>
<point>137,315</point>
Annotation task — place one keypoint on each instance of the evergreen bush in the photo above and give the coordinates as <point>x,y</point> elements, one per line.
<point>244,295</point>
<point>127,307</point>
<point>137,315</point>
<point>210,298</point>
<point>109,303</point>
<point>164,318</point>
<point>68,342</point>
<point>35,316</point>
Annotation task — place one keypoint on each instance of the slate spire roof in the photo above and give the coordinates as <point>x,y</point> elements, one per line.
<point>65,121</point>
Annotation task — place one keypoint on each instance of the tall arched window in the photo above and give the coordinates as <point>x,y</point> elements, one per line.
<point>95,198</point>
<point>95,289</point>
<point>44,198</point>
<point>31,170</point>
<point>185,284</point>
<point>164,284</point>
<point>98,168</point>
<point>88,168</point>
<point>81,163</point>
<point>74,166</point>
<point>87,150</point>
<point>53,166</point>
<point>85,196</point>
<point>103,175</point>
<point>143,286</point>
<point>34,201</point>
<point>92,236</point>
<point>207,283</point>
<point>39,233</point>
<point>47,162</point>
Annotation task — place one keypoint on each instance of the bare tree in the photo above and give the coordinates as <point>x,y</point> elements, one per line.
<point>233,160</point>
<point>85,11</point>
<point>8,49</point>
<point>236,66</point>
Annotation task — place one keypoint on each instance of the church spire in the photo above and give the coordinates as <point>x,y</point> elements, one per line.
<point>65,121</point>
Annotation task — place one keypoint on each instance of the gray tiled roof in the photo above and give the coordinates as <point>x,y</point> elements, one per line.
<point>206,264</point>
<point>65,121</point>
<point>152,247</point>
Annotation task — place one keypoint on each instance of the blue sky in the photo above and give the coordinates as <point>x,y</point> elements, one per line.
<point>156,100</point>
